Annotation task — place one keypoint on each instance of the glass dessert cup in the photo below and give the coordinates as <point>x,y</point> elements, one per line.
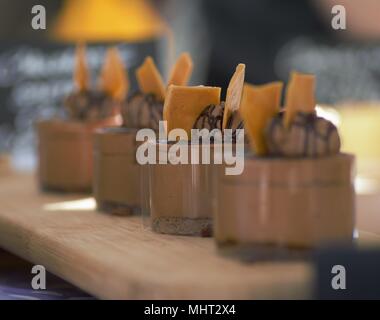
<point>180,195</point>
<point>65,150</point>
<point>284,208</point>
<point>116,172</point>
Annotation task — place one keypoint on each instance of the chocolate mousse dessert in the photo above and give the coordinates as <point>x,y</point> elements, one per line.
<point>296,192</point>
<point>66,145</point>
<point>181,194</point>
<point>118,176</point>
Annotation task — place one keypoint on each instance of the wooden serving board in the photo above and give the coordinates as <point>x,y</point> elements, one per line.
<point>117,258</point>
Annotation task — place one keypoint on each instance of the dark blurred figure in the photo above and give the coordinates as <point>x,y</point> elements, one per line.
<point>274,36</point>
<point>254,31</point>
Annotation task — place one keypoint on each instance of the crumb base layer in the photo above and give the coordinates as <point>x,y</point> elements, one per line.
<point>118,209</point>
<point>201,227</point>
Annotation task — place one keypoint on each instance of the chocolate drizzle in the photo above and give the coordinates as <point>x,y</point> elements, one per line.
<point>212,118</point>
<point>235,122</point>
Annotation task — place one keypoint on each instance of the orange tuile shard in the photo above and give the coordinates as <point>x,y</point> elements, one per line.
<point>114,78</point>
<point>150,80</point>
<point>300,96</point>
<point>234,93</point>
<point>181,71</point>
<point>81,71</point>
<point>259,104</point>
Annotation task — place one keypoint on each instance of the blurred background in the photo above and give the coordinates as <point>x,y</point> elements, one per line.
<point>272,37</point>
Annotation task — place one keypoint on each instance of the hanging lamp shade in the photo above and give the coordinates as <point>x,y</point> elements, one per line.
<point>111,20</point>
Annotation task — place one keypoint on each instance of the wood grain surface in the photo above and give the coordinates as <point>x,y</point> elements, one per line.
<point>117,258</point>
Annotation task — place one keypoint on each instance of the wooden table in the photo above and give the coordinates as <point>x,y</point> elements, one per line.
<point>115,257</point>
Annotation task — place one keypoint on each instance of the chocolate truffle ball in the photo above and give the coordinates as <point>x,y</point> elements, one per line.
<point>90,106</point>
<point>142,111</point>
<point>210,118</point>
<point>307,136</point>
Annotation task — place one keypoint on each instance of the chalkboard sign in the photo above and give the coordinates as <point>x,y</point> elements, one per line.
<point>34,78</point>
